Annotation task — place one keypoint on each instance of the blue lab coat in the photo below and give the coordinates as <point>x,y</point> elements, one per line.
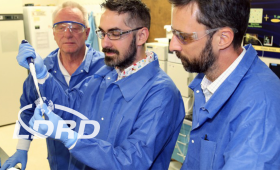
<point>58,154</point>
<point>140,118</point>
<point>241,120</point>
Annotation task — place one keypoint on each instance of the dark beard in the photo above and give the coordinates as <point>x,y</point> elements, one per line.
<point>129,56</point>
<point>205,61</point>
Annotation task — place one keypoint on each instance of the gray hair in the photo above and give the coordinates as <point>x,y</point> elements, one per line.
<point>70,4</point>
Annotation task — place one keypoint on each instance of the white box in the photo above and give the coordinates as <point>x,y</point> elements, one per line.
<point>38,28</point>
<point>159,48</point>
<point>171,57</point>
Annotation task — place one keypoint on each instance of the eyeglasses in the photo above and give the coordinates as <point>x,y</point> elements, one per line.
<point>74,27</point>
<point>114,34</point>
<point>190,37</point>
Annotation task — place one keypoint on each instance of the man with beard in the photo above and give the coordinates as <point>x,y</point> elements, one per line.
<point>137,106</point>
<point>236,109</point>
<point>72,62</point>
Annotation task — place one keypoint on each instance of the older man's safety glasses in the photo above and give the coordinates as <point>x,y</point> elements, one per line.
<point>74,27</point>
<point>190,37</point>
<point>114,34</point>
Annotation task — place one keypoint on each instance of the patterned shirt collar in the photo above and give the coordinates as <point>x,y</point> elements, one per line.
<point>135,67</point>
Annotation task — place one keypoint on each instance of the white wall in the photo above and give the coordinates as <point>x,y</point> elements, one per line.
<point>40,2</point>
<point>55,2</point>
<point>11,7</point>
<point>84,2</point>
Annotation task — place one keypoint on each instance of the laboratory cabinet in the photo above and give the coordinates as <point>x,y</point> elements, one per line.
<point>38,28</point>
<point>11,74</point>
<point>163,65</point>
<point>161,50</point>
<point>181,147</point>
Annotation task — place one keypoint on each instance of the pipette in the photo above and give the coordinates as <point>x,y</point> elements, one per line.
<point>30,61</point>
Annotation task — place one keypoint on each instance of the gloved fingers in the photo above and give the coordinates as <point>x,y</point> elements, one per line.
<point>25,51</point>
<point>23,165</point>
<point>12,165</point>
<point>22,59</point>
<point>6,165</point>
<point>38,114</point>
<point>46,111</point>
<point>31,122</point>
<point>27,47</point>
<point>41,69</point>
<point>35,117</point>
<point>41,72</point>
<point>45,108</point>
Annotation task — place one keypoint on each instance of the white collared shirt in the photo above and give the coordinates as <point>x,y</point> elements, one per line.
<point>209,87</point>
<point>64,72</point>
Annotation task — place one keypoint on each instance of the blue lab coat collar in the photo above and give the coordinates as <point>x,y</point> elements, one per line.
<point>132,84</point>
<point>215,103</point>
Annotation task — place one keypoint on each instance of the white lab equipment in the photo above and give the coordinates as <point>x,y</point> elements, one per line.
<point>161,50</point>
<point>273,64</point>
<point>181,147</point>
<point>182,79</point>
<point>38,28</point>
<point>268,60</point>
<point>13,168</point>
<point>11,75</point>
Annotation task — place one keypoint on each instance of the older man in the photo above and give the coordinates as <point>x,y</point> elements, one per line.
<point>72,62</point>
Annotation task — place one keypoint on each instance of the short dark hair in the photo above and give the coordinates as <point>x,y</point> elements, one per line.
<point>222,13</point>
<point>139,13</point>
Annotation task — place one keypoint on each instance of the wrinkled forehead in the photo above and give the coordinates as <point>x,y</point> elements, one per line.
<point>69,14</point>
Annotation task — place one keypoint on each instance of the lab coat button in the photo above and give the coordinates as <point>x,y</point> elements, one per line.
<point>197,91</point>
<point>82,70</point>
<point>108,78</point>
<point>54,71</point>
<point>192,141</point>
<point>102,118</point>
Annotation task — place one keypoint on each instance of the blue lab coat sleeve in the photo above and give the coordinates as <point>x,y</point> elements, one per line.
<point>28,97</point>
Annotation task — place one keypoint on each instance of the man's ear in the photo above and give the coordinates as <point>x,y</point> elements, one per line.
<point>142,36</point>
<point>226,36</point>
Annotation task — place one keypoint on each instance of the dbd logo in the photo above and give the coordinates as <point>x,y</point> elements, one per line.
<point>61,128</point>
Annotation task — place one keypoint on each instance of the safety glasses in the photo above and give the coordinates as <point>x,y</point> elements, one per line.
<point>186,38</point>
<point>74,27</point>
<point>114,34</point>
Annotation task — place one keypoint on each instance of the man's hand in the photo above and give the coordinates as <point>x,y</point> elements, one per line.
<point>19,157</point>
<point>26,51</point>
<point>55,124</point>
